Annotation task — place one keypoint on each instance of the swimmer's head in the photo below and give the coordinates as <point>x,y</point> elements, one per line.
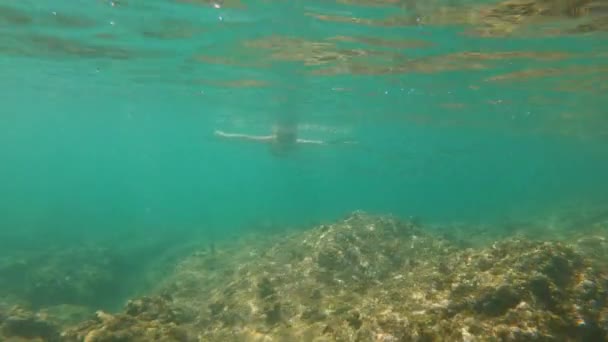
<point>285,138</point>
<point>285,135</point>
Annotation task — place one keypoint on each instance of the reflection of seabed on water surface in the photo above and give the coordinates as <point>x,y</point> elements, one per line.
<point>365,278</point>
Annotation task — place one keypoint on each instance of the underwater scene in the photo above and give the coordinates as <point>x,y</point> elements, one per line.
<point>322,170</point>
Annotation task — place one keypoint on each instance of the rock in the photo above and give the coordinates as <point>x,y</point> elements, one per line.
<point>20,323</point>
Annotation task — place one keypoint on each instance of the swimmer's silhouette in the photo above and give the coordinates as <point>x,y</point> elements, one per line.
<point>283,139</point>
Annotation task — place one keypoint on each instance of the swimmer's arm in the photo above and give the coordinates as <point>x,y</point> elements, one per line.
<point>262,138</point>
<point>322,142</point>
<point>307,141</point>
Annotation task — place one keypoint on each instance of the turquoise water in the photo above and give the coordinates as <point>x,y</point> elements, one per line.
<point>109,111</point>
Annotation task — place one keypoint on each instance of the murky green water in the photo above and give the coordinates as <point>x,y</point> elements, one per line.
<point>116,123</point>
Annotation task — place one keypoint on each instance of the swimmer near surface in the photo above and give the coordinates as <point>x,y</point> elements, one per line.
<point>283,140</point>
